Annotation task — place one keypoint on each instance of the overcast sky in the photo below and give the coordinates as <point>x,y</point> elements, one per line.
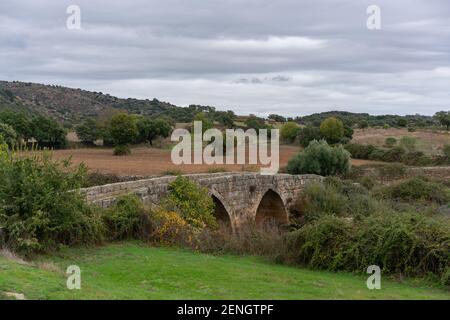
<point>290,57</point>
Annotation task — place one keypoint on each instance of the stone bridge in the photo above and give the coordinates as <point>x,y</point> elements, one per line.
<point>238,197</point>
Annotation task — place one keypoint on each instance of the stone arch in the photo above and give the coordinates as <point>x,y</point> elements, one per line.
<point>271,209</point>
<point>221,211</point>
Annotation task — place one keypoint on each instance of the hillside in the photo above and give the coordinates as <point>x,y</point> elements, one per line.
<point>69,105</point>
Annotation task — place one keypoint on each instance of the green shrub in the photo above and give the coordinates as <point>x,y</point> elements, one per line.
<point>319,244</point>
<point>395,154</point>
<point>410,244</point>
<point>403,243</point>
<point>360,151</point>
<point>409,143</point>
<point>446,151</point>
<point>368,182</point>
<point>392,171</point>
<point>320,158</point>
<point>126,218</point>
<point>417,189</point>
<point>321,199</point>
<point>191,202</point>
<point>122,150</point>
<point>390,142</point>
<point>38,210</point>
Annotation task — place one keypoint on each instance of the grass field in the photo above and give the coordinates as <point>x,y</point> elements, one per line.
<point>134,271</point>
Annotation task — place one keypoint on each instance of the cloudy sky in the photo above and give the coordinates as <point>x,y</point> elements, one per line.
<point>292,57</point>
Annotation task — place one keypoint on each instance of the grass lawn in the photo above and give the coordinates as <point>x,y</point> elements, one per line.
<point>131,270</point>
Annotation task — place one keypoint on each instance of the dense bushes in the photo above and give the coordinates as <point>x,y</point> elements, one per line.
<point>320,158</point>
<point>402,243</point>
<point>405,153</point>
<point>37,210</point>
<point>417,189</point>
<point>126,218</point>
<point>191,202</point>
<point>348,229</point>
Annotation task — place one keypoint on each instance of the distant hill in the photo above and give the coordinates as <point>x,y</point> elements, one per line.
<point>356,118</point>
<point>70,106</point>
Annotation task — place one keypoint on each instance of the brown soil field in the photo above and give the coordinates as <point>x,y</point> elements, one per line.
<point>149,161</point>
<point>152,161</point>
<point>428,141</point>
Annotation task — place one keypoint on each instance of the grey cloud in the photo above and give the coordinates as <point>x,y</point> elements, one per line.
<point>259,56</point>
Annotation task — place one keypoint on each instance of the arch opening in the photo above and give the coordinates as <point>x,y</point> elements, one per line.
<point>271,210</point>
<point>221,214</point>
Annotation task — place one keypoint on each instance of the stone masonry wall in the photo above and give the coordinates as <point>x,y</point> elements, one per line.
<point>240,193</point>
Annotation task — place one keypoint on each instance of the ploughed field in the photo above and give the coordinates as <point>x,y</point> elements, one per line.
<point>132,270</point>
<point>153,161</point>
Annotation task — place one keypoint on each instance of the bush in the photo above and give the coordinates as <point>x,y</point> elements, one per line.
<point>169,228</point>
<point>360,151</point>
<point>392,171</point>
<point>409,143</point>
<point>191,202</point>
<point>395,154</point>
<point>122,150</point>
<point>417,189</point>
<point>320,199</point>
<point>126,218</point>
<point>319,244</point>
<point>405,243</point>
<point>368,182</point>
<point>390,142</point>
<point>446,151</point>
<point>38,210</point>
<point>320,158</point>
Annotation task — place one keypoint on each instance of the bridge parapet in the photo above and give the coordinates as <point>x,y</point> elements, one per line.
<point>240,193</point>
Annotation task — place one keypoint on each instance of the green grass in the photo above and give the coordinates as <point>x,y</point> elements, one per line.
<point>134,271</point>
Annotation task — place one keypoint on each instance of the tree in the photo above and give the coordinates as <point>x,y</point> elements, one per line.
<point>19,122</point>
<point>289,131</point>
<point>226,119</point>
<point>276,118</point>
<point>444,118</point>
<point>320,158</point>
<point>88,131</point>
<point>207,123</point>
<point>402,122</point>
<point>123,130</point>
<point>149,129</point>
<point>332,130</point>
<point>363,124</point>
<point>308,134</point>
<point>8,134</point>
<point>48,133</point>
<point>253,122</point>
